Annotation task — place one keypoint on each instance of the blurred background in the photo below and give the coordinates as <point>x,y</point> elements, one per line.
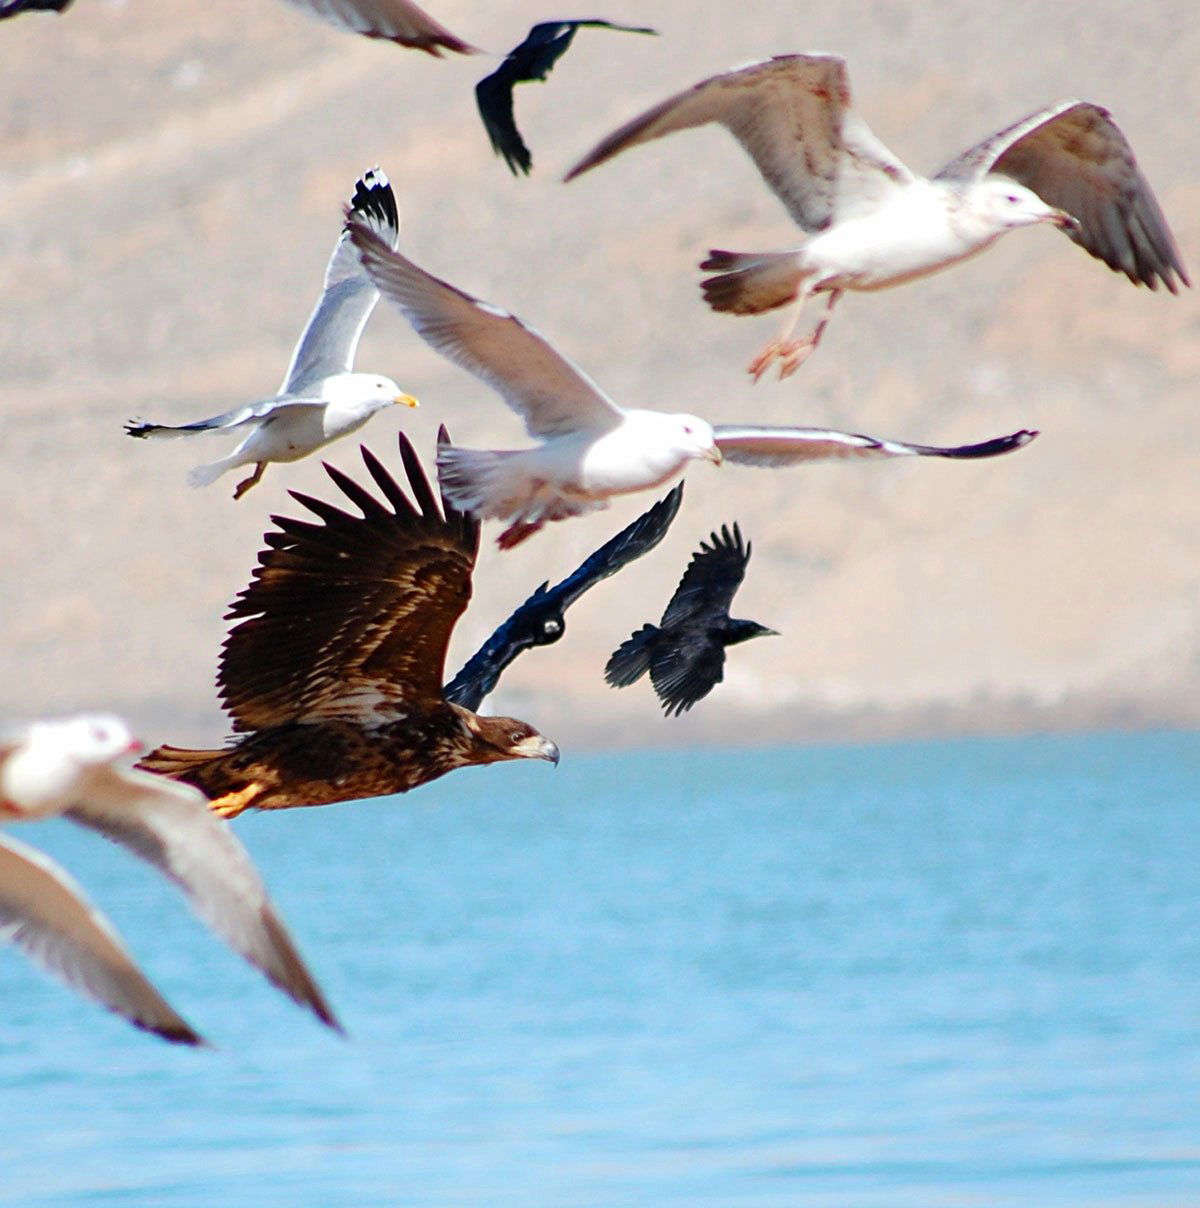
<point>171,183</point>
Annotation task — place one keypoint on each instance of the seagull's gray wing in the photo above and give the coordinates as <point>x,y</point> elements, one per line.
<point>45,913</point>
<point>330,339</point>
<point>249,413</point>
<point>553,396</point>
<point>170,825</point>
<point>1074,156</point>
<point>395,20</point>
<point>752,445</point>
<point>792,115</point>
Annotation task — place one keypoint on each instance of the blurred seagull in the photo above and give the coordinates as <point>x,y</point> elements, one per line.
<point>75,767</point>
<point>871,222</point>
<point>591,448</point>
<point>321,398</point>
<point>45,913</point>
<point>333,675</point>
<point>685,653</point>
<point>394,20</point>
<point>540,621</point>
<point>534,59</point>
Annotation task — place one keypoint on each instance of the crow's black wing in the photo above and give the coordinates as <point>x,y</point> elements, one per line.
<point>631,542</point>
<point>10,8</point>
<point>538,621</point>
<point>533,59</point>
<point>711,580</point>
<point>686,667</point>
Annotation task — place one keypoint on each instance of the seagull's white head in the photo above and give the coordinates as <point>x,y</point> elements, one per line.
<point>362,394</point>
<point>1005,205</point>
<point>695,438</point>
<point>52,764</point>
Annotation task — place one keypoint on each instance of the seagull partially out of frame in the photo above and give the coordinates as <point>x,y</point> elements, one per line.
<point>321,398</point>
<point>871,222</point>
<point>77,767</point>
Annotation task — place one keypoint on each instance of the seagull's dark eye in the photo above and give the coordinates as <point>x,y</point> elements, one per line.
<point>1013,198</point>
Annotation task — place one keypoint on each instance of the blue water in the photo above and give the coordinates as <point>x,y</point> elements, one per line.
<point>957,973</point>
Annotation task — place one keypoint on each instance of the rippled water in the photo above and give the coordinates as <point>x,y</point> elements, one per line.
<point>958,973</point>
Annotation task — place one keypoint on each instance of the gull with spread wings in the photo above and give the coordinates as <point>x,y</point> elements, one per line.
<point>76,767</point>
<point>333,674</point>
<point>321,398</point>
<point>871,222</point>
<point>591,449</point>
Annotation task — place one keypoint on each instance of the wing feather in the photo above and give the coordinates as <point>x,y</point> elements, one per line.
<point>790,114</point>
<point>711,580</point>
<point>350,618</point>
<point>394,20</point>
<point>552,395</point>
<point>1074,156</point>
<point>170,825</point>
<point>754,445</point>
<point>330,337</point>
<point>45,913</point>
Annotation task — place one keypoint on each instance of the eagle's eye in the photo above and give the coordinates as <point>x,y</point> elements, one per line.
<point>516,737</point>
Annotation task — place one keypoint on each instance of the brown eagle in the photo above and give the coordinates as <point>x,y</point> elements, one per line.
<point>333,674</point>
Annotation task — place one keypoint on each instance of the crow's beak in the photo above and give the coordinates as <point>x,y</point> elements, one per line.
<point>406,400</point>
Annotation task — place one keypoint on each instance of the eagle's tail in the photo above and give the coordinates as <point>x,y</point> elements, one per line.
<point>751,282</point>
<point>631,660</point>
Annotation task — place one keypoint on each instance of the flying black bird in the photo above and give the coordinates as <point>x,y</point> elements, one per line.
<point>534,59</point>
<point>10,8</point>
<point>539,621</point>
<point>333,675</point>
<point>685,655</point>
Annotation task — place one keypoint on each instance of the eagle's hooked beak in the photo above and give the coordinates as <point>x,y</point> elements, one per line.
<point>406,400</point>
<point>537,747</point>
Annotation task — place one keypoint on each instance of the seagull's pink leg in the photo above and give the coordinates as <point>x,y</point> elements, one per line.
<point>792,353</point>
<point>247,483</point>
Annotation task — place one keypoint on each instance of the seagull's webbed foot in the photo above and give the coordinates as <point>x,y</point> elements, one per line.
<point>232,804</point>
<point>790,353</point>
<point>247,483</point>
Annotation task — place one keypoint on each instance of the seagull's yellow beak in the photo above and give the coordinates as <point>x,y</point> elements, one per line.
<point>406,399</point>
<point>1068,222</point>
<point>714,455</point>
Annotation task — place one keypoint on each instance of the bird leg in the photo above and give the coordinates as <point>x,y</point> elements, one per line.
<point>792,353</point>
<point>232,804</point>
<point>517,532</point>
<point>247,483</point>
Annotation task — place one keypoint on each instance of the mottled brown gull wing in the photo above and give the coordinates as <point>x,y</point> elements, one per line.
<point>551,394</point>
<point>1074,156</point>
<point>169,825</point>
<point>350,618</point>
<point>394,20</point>
<point>45,914</point>
<point>792,115</point>
<point>711,579</point>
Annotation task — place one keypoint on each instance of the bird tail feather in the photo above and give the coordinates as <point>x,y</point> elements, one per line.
<point>479,481</point>
<point>202,476</point>
<point>751,282</point>
<point>631,660</point>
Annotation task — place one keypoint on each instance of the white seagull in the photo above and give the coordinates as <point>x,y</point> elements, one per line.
<point>77,767</point>
<point>871,222</point>
<point>395,20</point>
<point>591,449</point>
<point>321,397</point>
